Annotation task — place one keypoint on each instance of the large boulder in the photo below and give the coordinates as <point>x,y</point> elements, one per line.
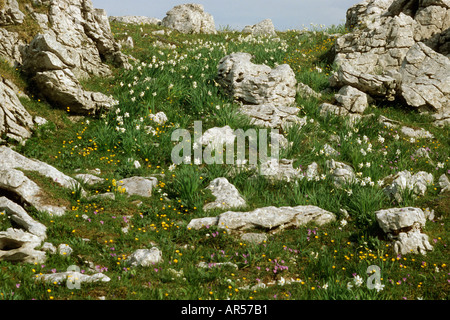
<point>256,84</point>
<point>397,52</point>
<point>404,226</point>
<point>189,18</point>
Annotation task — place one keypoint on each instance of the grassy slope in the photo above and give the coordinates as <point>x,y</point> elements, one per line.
<point>313,255</point>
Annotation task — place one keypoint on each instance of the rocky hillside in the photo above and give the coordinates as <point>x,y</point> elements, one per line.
<point>113,132</point>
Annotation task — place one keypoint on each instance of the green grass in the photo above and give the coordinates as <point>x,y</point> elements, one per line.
<point>321,260</point>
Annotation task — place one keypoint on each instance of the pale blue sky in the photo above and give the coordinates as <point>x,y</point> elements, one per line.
<point>285,14</point>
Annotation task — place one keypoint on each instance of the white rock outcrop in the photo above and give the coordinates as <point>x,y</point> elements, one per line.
<point>404,226</point>
<point>144,257</point>
<point>256,84</point>
<point>189,18</point>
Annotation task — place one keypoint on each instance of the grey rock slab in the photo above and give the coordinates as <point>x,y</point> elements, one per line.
<point>22,218</point>
<point>139,186</point>
<point>17,245</point>
<point>145,257</point>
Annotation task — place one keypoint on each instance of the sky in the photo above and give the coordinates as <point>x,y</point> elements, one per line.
<point>285,14</point>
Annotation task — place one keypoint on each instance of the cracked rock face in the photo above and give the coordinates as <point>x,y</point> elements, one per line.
<point>399,50</point>
<point>10,13</point>
<point>15,121</point>
<point>256,84</point>
<point>75,42</point>
<point>189,18</point>
<point>426,79</point>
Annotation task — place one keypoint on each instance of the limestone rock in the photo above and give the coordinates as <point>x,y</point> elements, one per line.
<point>63,89</point>
<point>397,51</point>
<point>255,238</point>
<point>256,84</point>
<point>426,79</point>
<point>269,218</point>
<point>17,245</point>
<point>416,133</point>
<point>11,46</point>
<point>227,195</point>
<point>395,219</point>
<point>28,191</point>
<point>404,225</point>
<point>272,116</point>
<point>441,119</point>
<point>22,218</point>
<point>139,186</point>
<point>264,28</point>
<point>306,91</point>
<point>341,172</point>
<point>73,277</point>
<point>10,13</point>
<point>15,121</point>
<point>281,169</point>
<point>135,20</point>
<point>89,178</point>
<point>405,181</point>
<point>145,257</point>
<point>444,183</point>
<point>366,12</point>
<point>200,223</point>
<point>217,136</point>
<point>64,249</point>
<point>189,18</point>
<point>352,99</point>
<point>10,159</point>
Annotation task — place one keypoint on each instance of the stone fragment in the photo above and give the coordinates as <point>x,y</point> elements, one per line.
<point>144,257</point>
<point>72,277</point>
<point>342,173</point>
<point>227,195</point>
<point>139,186</point>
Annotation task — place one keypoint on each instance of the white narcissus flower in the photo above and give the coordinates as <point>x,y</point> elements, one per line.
<point>358,280</point>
